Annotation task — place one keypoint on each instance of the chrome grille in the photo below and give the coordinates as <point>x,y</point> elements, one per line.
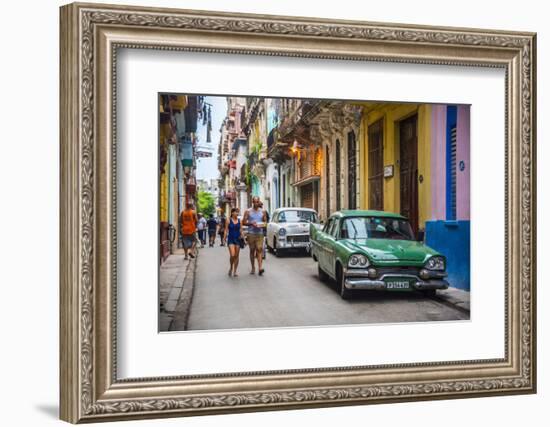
<point>296,239</point>
<point>398,270</point>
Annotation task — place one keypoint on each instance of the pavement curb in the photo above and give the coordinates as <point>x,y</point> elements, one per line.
<point>456,298</point>
<point>182,309</point>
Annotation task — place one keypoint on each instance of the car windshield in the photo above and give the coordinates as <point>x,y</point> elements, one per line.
<point>297,216</point>
<point>376,228</point>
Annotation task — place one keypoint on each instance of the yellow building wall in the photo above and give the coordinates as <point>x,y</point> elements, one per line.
<point>164,134</point>
<point>164,196</point>
<point>424,163</point>
<point>392,114</point>
<point>364,164</point>
<point>179,103</point>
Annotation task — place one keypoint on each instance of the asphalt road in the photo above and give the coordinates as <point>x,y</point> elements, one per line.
<point>291,294</point>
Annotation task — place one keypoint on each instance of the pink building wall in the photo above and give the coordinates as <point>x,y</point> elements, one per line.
<point>439,162</point>
<point>463,155</point>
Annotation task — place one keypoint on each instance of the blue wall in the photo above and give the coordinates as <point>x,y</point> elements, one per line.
<point>452,239</point>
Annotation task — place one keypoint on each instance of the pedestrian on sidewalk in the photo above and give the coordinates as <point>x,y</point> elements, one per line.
<point>255,218</point>
<point>264,248</point>
<point>212,226</point>
<point>188,220</point>
<point>201,228</point>
<point>221,229</point>
<point>233,234</point>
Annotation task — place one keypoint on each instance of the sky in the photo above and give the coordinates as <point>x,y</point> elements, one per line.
<point>207,167</point>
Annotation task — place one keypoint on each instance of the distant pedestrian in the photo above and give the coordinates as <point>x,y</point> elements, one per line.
<point>212,226</point>
<point>233,235</point>
<point>255,218</point>
<point>188,221</point>
<point>264,248</point>
<point>201,228</point>
<point>221,228</point>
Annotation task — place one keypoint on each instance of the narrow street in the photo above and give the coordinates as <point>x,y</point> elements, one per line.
<point>291,294</point>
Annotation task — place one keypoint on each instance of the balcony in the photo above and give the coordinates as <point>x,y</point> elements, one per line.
<point>227,196</point>
<point>309,164</point>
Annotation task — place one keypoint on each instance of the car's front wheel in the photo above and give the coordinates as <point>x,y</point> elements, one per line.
<point>278,252</point>
<point>344,292</point>
<point>429,293</point>
<point>322,275</point>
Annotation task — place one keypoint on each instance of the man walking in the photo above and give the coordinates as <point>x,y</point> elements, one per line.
<point>255,219</point>
<point>264,248</point>
<point>201,227</point>
<point>212,225</point>
<point>188,220</point>
<point>221,229</point>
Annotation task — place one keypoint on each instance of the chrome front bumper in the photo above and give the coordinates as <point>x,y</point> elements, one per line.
<point>290,243</point>
<point>380,285</point>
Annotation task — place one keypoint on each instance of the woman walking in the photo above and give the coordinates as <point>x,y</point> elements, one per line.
<point>233,235</point>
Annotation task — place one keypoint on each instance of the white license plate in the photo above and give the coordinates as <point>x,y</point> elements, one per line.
<point>397,284</point>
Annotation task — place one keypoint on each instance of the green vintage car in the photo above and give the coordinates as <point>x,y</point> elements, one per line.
<point>375,250</point>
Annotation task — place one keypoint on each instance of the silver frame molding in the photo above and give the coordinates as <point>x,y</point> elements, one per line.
<point>90,37</point>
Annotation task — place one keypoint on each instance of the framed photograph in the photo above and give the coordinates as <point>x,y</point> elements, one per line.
<point>269,212</point>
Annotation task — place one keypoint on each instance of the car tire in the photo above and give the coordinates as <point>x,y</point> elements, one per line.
<point>323,277</point>
<point>429,293</point>
<point>344,292</point>
<point>278,252</point>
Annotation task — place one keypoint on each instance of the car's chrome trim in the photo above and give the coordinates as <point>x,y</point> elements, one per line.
<point>379,284</point>
<point>356,272</point>
<point>432,284</point>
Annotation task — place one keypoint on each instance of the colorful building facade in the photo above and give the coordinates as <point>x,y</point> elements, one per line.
<point>407,158</point>
<point>416,162</point>
<point>178,116</point>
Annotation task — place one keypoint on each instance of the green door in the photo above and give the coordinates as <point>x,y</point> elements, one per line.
<point>330,245</point>
<point>322,245</point>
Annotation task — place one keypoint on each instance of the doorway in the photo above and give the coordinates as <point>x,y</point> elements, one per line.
<point>376,168</point>
<point>408,158</point>
<point>352,171</point>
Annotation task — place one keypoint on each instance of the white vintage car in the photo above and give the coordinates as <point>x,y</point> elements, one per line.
<point>289,229</point>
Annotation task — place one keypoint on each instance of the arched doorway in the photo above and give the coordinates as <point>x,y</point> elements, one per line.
<point>352,171</point>
<point>275,193</point>
<point>327,181</point>
<point>338,178</point>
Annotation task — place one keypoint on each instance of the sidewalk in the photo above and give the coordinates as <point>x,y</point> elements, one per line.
<point>177,278</point>
<point>456,297</point>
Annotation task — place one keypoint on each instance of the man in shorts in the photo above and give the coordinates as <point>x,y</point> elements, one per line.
<point>212,226</point>
<point>201,228</point>
<point>221,228</point>
<point>255,219</point>
<point>188,221</point>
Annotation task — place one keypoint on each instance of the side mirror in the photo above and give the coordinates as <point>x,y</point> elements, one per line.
<point>420,235</point>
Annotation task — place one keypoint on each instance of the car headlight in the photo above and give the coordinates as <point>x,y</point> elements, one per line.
<point>435,263</point>
<point>358,261</point>
<point>282,232</point>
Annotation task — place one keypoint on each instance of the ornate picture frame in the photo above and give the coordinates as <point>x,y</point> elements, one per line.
<point>90,37</point>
